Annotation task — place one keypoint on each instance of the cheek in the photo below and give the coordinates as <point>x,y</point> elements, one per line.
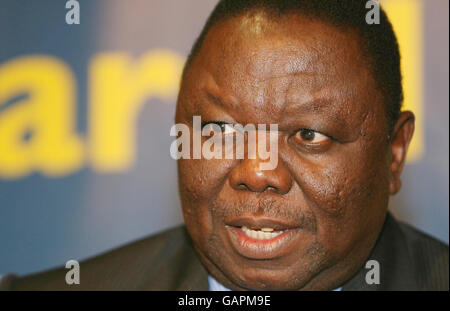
<point>340,186</point>
<point>201,180</point>
<point>347,192</point>
<point>361,206</point>
<point>348,187</point>
<point>199,183</point>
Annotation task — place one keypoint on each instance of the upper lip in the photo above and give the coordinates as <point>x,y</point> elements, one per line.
<point>253,222</point>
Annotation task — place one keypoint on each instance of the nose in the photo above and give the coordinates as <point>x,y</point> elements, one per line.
<point>248,176</point>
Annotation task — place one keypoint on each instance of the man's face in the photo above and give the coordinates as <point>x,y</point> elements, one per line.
<point>327,198</point>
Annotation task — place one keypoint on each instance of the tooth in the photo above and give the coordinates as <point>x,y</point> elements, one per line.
<point>261,235</point>
<point>267,229</point>
<point>254,234</point>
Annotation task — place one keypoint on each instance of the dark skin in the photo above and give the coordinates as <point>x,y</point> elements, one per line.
<point>337,161</point>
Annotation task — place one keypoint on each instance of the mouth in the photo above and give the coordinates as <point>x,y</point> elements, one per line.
<point>262,238</point>
<point>262,234</point>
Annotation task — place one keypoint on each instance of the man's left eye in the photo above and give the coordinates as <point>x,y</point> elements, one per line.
<point>311,137</point>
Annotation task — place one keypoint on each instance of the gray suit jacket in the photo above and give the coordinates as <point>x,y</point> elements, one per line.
<point>409,260</point>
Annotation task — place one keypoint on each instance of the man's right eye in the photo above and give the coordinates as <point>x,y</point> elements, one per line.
<point>225,128</point>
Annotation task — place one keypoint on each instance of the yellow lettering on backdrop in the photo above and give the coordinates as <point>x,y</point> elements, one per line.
<point>407,20</point>
<point>48,112</point>
<point>119,87</point>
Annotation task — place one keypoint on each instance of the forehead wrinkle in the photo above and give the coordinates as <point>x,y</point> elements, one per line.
<point>303,101</point>
<point>312,105</point>
<point>279,62</point>
<point>327,91</point>
<point>214,94</point>
<point>293,74</point>
<point>231,100</point>
<point>217,100</point>
<point>263,101</point>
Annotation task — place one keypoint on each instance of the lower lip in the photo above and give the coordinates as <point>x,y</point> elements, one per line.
<point>262,249</point>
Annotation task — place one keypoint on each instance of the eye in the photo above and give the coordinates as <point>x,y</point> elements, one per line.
<point>225,128</point>
<point>311,137</point>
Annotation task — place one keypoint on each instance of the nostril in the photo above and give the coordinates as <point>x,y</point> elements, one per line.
<point>242,186</point>
<point>272,189</point>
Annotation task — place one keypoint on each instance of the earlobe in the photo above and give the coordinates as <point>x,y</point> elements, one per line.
<point>401,137</point>
<point>396,184</point>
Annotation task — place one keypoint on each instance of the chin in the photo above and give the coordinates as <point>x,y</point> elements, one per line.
<point>264,279</point>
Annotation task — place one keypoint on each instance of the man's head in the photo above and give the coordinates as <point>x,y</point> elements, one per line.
<point>313,68</point>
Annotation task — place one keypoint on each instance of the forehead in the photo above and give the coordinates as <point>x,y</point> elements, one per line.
<point>265,62</point>
<point>266,46</point>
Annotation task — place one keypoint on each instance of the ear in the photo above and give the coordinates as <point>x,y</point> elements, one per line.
<point>401,137</point>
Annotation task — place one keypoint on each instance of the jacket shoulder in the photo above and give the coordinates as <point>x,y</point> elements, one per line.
<point>429,256</point>
<point>149,263</point>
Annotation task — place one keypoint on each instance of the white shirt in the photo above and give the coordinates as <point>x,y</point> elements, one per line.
<point>216,286</point>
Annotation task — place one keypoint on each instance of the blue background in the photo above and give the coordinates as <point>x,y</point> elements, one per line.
<point>45,222</point>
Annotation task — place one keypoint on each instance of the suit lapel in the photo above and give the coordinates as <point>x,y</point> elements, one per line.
<point>191,275</point>
<point>396,269</point>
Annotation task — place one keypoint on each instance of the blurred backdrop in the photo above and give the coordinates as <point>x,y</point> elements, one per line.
<point>86,109</point>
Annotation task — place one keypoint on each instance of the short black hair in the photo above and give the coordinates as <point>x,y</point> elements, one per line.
<point>378,41</point>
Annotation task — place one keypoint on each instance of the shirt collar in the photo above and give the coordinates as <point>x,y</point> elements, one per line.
<point>216,286</point>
